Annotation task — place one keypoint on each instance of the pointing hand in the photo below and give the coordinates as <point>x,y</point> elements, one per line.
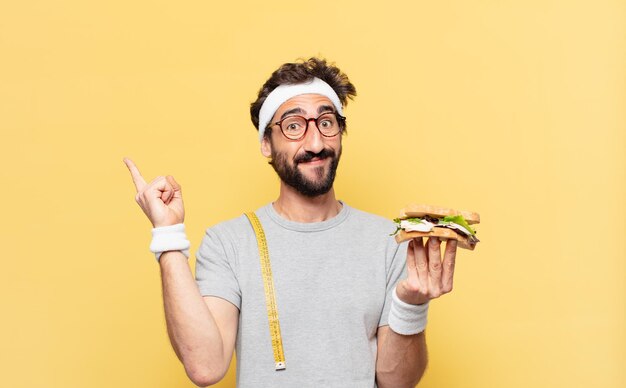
<point>161,200</point>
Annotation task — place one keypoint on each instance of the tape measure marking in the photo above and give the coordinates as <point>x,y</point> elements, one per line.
<point>270,294</point>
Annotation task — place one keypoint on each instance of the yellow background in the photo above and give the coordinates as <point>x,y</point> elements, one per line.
<point>514,109</point>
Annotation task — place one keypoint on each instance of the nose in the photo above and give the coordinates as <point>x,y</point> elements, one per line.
<point>313,139</point>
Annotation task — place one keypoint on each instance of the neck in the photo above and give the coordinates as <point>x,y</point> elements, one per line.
<point>294,206</point>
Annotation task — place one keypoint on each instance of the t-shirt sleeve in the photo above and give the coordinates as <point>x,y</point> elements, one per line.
<point>214,269</point>
<point>396,271</point>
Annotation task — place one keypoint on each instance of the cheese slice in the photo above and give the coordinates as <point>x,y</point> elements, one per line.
<point>426,226</point>
<point>411,226</point>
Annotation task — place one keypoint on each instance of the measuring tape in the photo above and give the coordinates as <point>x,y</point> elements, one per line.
<point>270,295</point>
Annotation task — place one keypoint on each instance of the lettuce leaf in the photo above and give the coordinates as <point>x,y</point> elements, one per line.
<point>461,221</point>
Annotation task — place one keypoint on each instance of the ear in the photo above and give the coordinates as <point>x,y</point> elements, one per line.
<point>266,147</point>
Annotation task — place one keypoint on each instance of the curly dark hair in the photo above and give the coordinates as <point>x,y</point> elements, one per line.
<point>302,71</point>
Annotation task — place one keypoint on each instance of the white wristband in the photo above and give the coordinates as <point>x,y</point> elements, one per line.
<point>407,319</point>
<point>169,238</point>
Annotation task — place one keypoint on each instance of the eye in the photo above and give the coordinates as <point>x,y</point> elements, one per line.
<point>326,123</point>
<point>293,124</point>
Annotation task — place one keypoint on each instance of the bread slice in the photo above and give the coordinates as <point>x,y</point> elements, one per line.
<point>442,233</point>
<point>414,210</point>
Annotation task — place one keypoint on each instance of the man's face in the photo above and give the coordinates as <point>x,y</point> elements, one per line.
<point>308,165</point>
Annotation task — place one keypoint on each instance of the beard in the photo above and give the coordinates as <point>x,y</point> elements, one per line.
<point>292,176</point>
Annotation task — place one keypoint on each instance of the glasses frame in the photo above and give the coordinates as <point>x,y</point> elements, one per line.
<point>341,121</point>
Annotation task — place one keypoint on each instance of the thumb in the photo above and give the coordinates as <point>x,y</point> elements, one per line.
<point>172,190</point>
<point>175,186</point>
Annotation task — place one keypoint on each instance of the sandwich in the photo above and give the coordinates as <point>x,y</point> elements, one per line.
<point>432,221</point>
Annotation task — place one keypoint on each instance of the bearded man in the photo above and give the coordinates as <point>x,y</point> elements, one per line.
<point>309,291</point>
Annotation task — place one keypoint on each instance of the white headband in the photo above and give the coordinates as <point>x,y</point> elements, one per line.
<point>284,92</point>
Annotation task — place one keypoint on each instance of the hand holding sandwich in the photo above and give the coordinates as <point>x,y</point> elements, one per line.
<point>161,200</point>
<point>429,274</point>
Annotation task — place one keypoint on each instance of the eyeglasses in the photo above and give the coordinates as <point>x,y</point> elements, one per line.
<point>294,127</point>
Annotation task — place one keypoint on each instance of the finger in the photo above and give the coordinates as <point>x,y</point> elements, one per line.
<point>166,191</point>
<point>138,180</point>
<point>410,262</point>
<point>155,189</point>
<point>449,260</point>
<point>173,182</point>
<point>177,190</point>
<point>421,260</point>
<point>167,194</point>
<point>434,265</point>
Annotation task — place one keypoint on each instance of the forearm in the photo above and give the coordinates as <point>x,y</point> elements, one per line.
<point>191,327</point>
<point>402,360</point>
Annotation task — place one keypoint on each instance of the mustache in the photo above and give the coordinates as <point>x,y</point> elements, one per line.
<point>308,156</point>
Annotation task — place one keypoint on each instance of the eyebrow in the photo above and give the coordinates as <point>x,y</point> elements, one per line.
<point>292,111</point>
<point>325,108</point>
<point>320,110</point>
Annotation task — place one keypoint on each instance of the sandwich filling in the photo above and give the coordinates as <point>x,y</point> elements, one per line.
<point>427,223</point>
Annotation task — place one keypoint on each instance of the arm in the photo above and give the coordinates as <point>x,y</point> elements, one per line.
<point>202,330</point>
<point>402,359</point>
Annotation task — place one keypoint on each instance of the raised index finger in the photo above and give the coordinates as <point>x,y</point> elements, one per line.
<point>135,174</point>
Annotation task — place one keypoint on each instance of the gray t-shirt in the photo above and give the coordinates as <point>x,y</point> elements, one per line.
<point>333,282</point>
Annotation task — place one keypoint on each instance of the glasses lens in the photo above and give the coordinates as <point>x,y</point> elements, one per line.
<point>293,127</point>
<point>327,124</point>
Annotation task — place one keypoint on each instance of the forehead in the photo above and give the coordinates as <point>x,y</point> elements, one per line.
<point>308,103</point>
